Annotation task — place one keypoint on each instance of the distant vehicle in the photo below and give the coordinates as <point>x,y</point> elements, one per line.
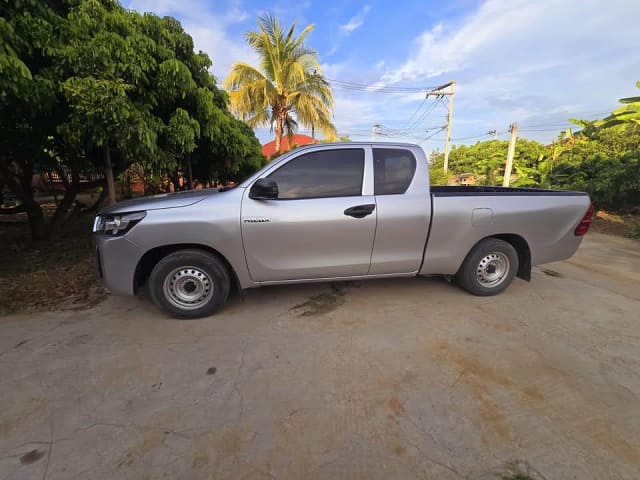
<point>332,212</point>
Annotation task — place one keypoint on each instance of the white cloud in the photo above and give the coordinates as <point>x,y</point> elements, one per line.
<point>512,34</point>
<point>356,21</point>
<point>513,60</point>
<point>533,62</point>
<point>223,49</point>
<point>209,30</point>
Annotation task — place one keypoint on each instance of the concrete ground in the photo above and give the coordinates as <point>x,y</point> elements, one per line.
<point>409,378</point>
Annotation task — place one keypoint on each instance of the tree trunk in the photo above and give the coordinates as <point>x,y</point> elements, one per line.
<point>96,205</point>
<point>108,175</point>
<point>55,227</point>
<point>22,189</point>
<point>189,175</point>
<point>35,215</point>
<point>279,132</point>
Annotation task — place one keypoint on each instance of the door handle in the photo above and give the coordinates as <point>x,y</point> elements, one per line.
<point>360,211</point>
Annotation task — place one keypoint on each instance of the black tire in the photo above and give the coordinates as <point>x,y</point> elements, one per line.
<point>184,270</point>
<point>475,273</point>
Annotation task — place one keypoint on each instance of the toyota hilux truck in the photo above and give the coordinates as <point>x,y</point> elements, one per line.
<point>332,212</point>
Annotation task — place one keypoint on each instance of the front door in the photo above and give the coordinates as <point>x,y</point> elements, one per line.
<point>312,229</point>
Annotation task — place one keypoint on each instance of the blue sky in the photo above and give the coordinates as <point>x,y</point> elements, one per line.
<point>535,62</point>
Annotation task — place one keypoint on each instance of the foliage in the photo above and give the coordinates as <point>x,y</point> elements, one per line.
<point>437,175</point>
<point>634,232</point>
<point>612,181</point>
<point>86,86</point>
<point>602,158</point>
<point>487,160</point>
<point>287,89</point>
<point>629,113</point>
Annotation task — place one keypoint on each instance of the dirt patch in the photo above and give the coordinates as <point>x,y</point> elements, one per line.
<point>322,303</point>
<point>399,450</point>
<point>200,461</point>
<point>31,457</point>
<point>551,273</point>
<point>519,470</point>
<point>625,225</point>
<point>57,275</point>
<point>396,407</point>
<point>479,379</point>
<point>605,436</point>
<point>71,287</point>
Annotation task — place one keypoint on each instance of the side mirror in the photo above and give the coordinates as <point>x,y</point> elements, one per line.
<point>264,189</point>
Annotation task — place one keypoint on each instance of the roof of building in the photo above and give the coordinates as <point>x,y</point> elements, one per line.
<point>297,139</point>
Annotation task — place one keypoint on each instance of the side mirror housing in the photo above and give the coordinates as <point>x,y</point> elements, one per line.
<point>264,189</point>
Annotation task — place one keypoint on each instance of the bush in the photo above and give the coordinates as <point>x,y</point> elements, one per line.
<point>437,175</point>
<point>612,182</point>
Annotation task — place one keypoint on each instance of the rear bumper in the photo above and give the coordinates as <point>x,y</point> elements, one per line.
<point>116,261</point>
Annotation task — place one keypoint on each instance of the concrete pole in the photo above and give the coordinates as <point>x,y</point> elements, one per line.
<point>373,131</point>
<point>513,129</point>
<point>447,140</point>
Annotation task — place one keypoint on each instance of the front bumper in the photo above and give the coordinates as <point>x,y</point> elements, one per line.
<point>117,259</point>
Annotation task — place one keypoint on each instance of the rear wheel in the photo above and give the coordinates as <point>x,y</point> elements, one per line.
<point>189,284</point>
<point>489,267</point>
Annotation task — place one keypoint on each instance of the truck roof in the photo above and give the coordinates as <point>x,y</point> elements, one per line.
<point>358,143</point>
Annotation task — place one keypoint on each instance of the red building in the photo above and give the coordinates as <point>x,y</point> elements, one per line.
<point>297,140</point>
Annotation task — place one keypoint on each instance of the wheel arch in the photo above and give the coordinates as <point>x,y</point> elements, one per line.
<point>151,258</point>
<point>522,248</point>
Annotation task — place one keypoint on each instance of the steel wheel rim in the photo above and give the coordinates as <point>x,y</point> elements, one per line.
<point>188,288</point>
<point>492,269</point>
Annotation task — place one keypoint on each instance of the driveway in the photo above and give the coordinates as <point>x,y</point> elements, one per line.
<point>407,378</point>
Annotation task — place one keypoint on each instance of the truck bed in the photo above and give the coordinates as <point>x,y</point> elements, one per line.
<point>463,215</point>
<point>473,190</point>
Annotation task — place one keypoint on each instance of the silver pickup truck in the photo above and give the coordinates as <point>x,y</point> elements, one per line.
<point>332,212</point>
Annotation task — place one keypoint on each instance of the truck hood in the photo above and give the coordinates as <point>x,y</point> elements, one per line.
<point>164,200</point>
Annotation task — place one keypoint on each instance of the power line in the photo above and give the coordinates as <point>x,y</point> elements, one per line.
<point>434,133</point>
<point>373,88</point>
<point>410,130</point>
<point>424,101</point>
<point>426,112</point>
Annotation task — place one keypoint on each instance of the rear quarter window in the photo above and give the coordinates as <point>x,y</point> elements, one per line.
<point>394,169</point>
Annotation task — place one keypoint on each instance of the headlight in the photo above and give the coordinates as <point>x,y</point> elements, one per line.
<point>117,224</point>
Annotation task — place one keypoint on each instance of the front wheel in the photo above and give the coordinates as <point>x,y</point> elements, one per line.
<point>489,267</point>
<point>189,284</point>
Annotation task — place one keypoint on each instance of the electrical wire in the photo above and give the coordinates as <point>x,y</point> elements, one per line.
<point>424,102</point>
<point>433,134</point>
<point>373,88</point>
<point>424,114</point>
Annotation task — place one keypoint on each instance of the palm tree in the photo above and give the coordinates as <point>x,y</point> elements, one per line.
<point>287,89</point>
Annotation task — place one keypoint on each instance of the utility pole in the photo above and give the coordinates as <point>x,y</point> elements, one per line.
<point>439,93</point>
<point>373,131</point>
<point>513,130</point>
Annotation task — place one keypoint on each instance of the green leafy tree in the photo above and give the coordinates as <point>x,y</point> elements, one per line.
<point>288,88</point>
<point>487,160</point>
<point>437,175</point>
<point>89,86</point>
<point>30,103</point>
